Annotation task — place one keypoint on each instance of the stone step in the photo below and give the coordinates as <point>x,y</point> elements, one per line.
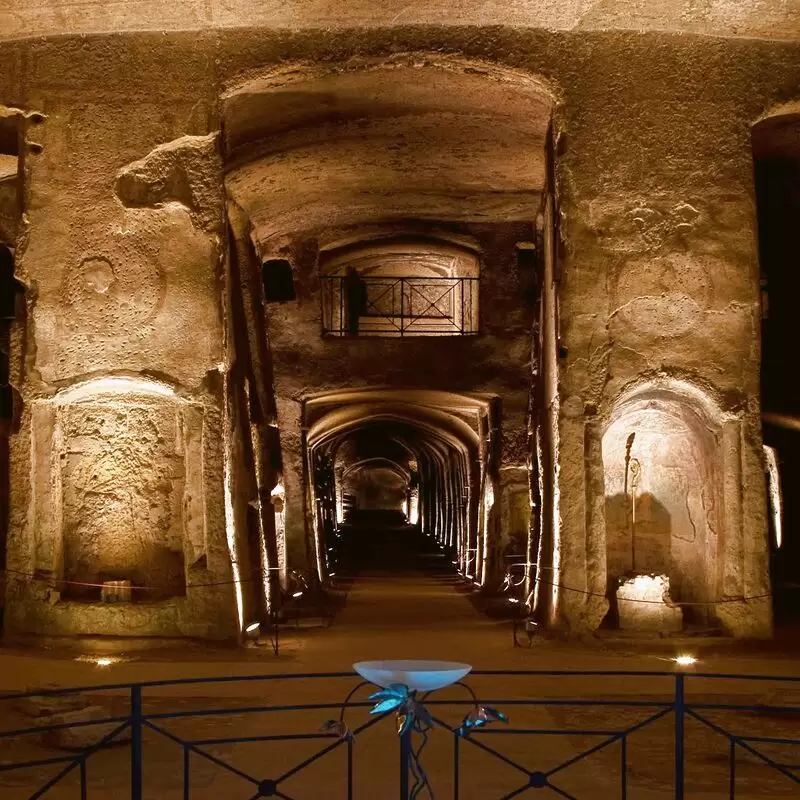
<point>84,736</point>
<point>47,705</point>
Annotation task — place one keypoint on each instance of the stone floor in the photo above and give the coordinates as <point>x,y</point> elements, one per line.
<point>421,612</point>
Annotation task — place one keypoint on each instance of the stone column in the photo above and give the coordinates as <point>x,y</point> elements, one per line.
<point>46,495</point>
<point>732,550</point>
<point>570,562</point>
<point>298,554</point>
<point>596,573</point>
<point>745,566</point>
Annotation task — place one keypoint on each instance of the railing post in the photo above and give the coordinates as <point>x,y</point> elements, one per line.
<point>136,743</point>
<point>456,766</point>
<point>680,706</point>
<point>405,762</point>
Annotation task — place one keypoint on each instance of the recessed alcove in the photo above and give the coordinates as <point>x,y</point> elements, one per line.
<point>123,486</point>
<point>663,495</point>
<point>118,497</point>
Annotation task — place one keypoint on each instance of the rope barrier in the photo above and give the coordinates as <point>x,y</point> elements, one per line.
<point>155,587</point>
<point>680,604</point>
<point>152,587</point>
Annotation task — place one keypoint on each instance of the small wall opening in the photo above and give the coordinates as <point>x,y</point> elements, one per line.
<point>11,137</point>
<point>277,277</point>
<point>662,498</point>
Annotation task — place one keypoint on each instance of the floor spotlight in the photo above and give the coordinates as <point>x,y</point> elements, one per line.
<point>100,661</point>
<point>253,630</point>
<point>297,594</point>
<point>685,660</point>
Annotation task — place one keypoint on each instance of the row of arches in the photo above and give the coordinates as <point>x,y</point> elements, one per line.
<point>419,454</point>
<point>464,149</point>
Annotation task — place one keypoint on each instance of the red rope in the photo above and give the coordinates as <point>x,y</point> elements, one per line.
<point>62,582</point>
<point>153,587</point>
<point>680,604</point>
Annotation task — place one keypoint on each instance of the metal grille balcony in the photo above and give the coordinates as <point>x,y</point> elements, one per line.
<point>395,306</point>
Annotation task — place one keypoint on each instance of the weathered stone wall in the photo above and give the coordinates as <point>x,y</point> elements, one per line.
<point>495,362</point>
<point>122,480</point>
<point>120,254</point>
<point>657,265</point>
<point>745,18</point>
<point>125,485</point>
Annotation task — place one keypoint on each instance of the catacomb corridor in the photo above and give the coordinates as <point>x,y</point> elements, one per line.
<point>497,300</point>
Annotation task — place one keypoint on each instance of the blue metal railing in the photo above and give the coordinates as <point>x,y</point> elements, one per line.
<point>685,701</point>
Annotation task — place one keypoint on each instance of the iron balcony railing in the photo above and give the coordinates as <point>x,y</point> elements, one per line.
<point>585,735</point>
<point>399,306</point>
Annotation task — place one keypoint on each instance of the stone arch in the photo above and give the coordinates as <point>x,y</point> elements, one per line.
<point>431,441</point>
<point>442,137</point>
<point>425,146</point>
<point>666,468</point>
<point>120,493</point>
<point>123,451</point>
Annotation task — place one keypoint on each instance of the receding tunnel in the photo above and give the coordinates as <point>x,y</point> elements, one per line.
<point>398,482</point>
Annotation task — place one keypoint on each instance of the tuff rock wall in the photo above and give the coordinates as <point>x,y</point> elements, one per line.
<point>121,243</point>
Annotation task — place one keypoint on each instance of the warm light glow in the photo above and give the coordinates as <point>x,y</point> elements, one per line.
<point>488,503</point>
<point>100,661</point>
<point>115,385</point>
<point>413,508</point>
<point>643,585</point>
<point>280,538</point>
<point>534,590</point>
<point>782,420</point>
<point>266,567</point>
<point>685,660</point>
<point>297,594</point>
<point>278,491</point>
<point>230,515</point>
<point>775,495</point>
<point>252,627</point>
<point>556,511</point>
<point>319,550</point>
